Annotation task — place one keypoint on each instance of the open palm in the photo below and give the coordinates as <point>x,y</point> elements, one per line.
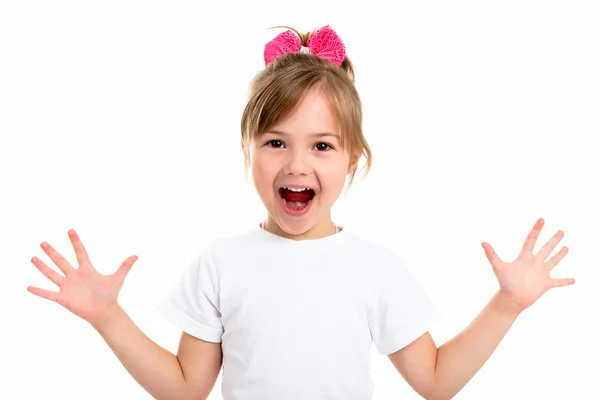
<point>83,290</point>
<point>527,278</point>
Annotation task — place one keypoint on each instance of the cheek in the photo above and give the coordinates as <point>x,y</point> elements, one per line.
<point>263,172</point>
<point>261,164</point>
<point>333,176</point>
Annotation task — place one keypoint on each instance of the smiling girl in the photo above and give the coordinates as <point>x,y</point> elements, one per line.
<point>291,307</point>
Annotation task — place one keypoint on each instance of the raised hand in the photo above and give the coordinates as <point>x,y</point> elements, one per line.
<point>527,278</point>
<point>83,290</point>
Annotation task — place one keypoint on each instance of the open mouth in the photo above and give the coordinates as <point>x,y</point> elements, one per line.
<point>296,199</point>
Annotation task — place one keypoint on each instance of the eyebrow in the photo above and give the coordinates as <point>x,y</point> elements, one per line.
<point>318,134</point>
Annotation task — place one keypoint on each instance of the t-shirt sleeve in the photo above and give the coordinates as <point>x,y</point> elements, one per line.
<point>401,312</point>
<point>193,304</point>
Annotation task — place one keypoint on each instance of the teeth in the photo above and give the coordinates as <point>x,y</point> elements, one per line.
<point>296,203</point>
<point>296,189</point>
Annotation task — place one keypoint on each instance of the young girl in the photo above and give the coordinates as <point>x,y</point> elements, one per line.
<point>291,307</point>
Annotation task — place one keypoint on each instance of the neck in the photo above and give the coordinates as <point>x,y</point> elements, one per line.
<point>322,229</point>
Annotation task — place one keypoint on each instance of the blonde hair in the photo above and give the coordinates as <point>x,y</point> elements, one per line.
<point>277,90</point>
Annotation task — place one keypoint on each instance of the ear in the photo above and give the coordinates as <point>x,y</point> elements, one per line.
<point>354,158</point>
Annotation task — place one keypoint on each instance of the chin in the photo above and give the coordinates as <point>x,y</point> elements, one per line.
<point>295,228</point>
<point>295,214</point>
<point>292,226</point>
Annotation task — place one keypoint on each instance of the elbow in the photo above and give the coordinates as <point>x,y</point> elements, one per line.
<point>189,396</point>
<point>438,388</point>
<point>434,392</point>
<point>437,396</point>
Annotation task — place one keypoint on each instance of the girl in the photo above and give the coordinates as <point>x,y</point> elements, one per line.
<point>291,307</point>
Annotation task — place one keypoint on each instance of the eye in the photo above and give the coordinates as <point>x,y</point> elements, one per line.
<point>323,146</point>
<point>276,144</point>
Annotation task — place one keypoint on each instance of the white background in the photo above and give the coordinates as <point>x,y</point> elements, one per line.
<point>120,119</point>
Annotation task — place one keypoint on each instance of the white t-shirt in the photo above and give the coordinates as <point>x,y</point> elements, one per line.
<point>296,319</point>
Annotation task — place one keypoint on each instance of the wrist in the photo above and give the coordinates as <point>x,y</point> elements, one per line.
<point>503,304</point>
<point>106,318</point>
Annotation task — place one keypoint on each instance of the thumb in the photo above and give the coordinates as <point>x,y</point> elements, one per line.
<point>490,254</point>
<point>125,267</point>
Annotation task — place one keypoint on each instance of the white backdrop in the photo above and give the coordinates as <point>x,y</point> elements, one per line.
<point>120,119</point>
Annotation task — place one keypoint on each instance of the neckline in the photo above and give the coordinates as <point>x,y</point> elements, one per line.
<point>333,238</point>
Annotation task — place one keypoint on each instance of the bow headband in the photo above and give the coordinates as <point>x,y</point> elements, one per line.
<point>323,43</point>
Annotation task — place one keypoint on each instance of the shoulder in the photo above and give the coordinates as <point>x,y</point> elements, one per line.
<point>210,258</point>
<point>233,245</point>
<point>377,252</point>
<point>379,261</point>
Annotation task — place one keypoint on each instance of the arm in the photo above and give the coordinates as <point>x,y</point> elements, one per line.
<point>158,371</point>
<point>93,297</point>
<point>440,373</point>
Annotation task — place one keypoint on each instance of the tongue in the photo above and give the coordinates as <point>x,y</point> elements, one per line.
<point>302,197</point>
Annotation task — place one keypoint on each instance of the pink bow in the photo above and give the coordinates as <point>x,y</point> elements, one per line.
<point>324,43</point>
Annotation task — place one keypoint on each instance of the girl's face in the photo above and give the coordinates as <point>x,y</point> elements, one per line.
<point>299,170</point>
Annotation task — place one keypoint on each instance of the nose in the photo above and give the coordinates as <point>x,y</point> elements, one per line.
<point>297,163</point>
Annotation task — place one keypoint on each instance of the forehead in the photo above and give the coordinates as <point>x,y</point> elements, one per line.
<point>314,114</point>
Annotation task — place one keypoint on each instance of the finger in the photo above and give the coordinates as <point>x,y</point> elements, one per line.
<point>125,267</point>
<point>58,259</point>
<point>532,237</point>
<point>554,283</point>
<point>550,245</point>
<point>51,274</point>
<point>557,258</point>
<point>491,254</point>
<point>80,252</point>
<point>46,294</point>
